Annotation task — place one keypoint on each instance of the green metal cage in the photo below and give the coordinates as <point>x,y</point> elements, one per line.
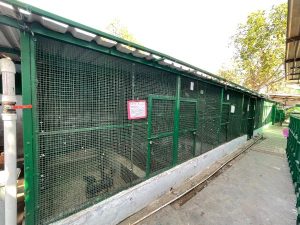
<point>79,137</point>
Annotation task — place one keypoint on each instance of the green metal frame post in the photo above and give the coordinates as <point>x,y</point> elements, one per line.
<point>148,164</point>
<point>27,59</point>
<point>176,121</point>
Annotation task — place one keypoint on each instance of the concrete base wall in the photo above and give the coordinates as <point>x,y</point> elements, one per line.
<point>127,202</point>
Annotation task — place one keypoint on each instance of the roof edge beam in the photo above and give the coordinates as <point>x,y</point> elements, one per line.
<point>292,39</point>
<point>10,50</point>
<point>292,60</point>
<point>9,22</point>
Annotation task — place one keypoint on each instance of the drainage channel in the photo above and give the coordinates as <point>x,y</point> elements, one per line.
<point>179,196</point>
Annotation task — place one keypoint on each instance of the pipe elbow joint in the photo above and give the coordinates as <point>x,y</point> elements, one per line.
<point>6,65</point>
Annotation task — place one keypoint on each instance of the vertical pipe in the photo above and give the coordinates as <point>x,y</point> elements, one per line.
<point>9,118</point>
<point>30,152</point>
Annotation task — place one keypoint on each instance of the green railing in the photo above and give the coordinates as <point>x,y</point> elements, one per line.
<point>293,154</point>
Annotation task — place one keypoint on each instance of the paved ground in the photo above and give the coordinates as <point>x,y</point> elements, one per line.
<point>256,190</point>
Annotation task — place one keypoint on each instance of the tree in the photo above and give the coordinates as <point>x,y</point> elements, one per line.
<point>119,30</point>
<point>259,50</point>
<point>231,73</point>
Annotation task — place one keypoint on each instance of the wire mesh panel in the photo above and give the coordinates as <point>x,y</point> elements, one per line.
<point>193,89</point>
<point>161,136</point>
<point>150,81</point>
<point>187,129</point>
<point>261,113</point>
<point>161,154</point>
<point>187,118</point>
<point>245,114</point>
<point>251,117</point>
<point>209,133</point>
<point>162,116</point>
<point>224,122</point>
<point>86,143</point>
<point>235,114</point>
<point>209,117</point>
<point>84,139</point>
<point>186,146</point>
<point>257,113</point>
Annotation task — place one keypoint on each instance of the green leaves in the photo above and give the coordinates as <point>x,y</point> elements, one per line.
<point>259,49</point>
<point>119,30</point>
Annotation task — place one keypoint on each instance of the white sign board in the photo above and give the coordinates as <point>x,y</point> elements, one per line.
<point>192,86</point>
<point>227,97</point>
<point>232,108</point>
<point>136,109</point>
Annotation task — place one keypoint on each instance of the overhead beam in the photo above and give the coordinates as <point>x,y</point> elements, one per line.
<point>292,60</point>
<point>292,74</point>
<point>10,50</point>
<point>9,21</point>
<point>292,39</point>
<point>295,67</point>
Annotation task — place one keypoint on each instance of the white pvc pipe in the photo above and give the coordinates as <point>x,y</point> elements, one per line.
<point>9,117</point>
<point>10,157</point>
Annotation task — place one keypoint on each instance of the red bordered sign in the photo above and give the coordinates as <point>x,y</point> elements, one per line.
<point>136,109</point>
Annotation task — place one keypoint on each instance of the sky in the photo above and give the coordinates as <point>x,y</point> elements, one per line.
<point>195,31</point>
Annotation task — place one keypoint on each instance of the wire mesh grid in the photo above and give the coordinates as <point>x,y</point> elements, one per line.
<point>162,123</point>
<point>146,81</point>
<point>245,111</point>
<point>235,114</point>
<point>193,89</point>
<point>186,146</point>
<point>162,116</point>
<point>225,123</point>
<point>85,141</point>
<point>187,118</point>
<point>84,136</point>
<point>257,113</point>
<point>161,154</point>
<point>187,130</point>
<point>210,118</point>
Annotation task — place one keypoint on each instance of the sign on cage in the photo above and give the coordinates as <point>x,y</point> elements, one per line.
<point>136,109</point>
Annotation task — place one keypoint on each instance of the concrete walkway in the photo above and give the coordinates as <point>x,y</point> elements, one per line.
<point>256,190</point>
